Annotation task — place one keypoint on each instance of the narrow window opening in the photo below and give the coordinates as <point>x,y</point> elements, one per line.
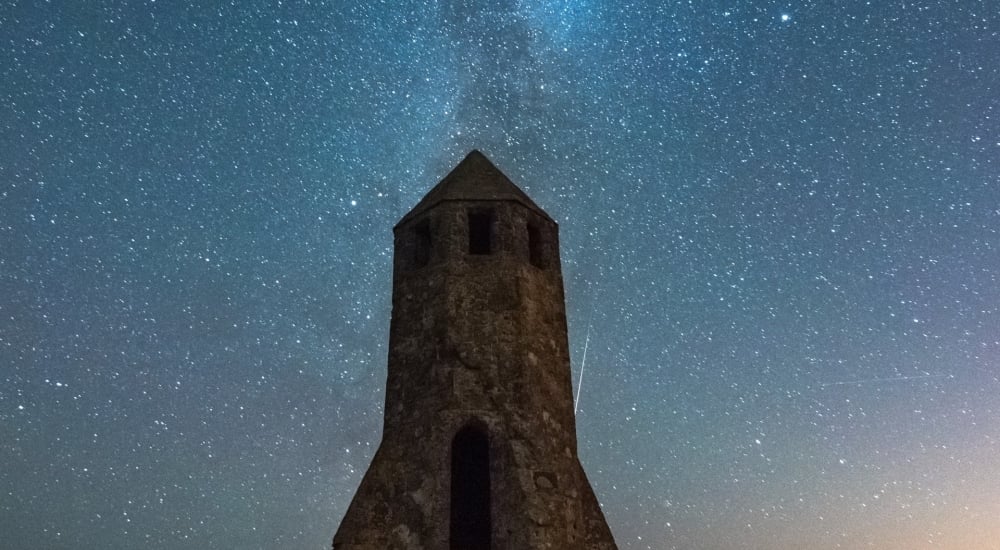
<point>421,244</point>
<point>480,232</point>
<point>470,490</point>
<point>535,250</point>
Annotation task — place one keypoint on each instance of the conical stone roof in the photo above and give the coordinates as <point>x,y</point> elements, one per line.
<point>474,179</point>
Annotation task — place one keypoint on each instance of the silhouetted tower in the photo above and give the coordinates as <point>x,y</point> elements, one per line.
<point>479,443</point>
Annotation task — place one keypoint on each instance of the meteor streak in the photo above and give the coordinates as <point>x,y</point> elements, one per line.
<point>583,362</point>
<point>879,380</point>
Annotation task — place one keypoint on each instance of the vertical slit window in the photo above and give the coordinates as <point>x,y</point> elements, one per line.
<point>480,232</point>
<point>470,490</point>
<point>421,244</point>
<point>535,249</point>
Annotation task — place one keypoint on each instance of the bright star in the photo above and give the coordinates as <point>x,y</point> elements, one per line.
<point>785,18</point>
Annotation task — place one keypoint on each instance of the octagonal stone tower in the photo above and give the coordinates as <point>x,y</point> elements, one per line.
<point>478,447</point>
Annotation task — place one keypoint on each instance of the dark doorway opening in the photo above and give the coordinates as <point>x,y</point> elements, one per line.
<point>480,232</point>
<point>470,490</point>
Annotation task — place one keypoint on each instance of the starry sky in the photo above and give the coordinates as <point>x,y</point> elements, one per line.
<point>780,228</point>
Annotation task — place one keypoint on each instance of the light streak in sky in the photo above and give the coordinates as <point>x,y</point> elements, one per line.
<point>868,381</point>
<point>583,362</point>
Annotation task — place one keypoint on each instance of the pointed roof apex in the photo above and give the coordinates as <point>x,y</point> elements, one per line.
<point>474,179</point>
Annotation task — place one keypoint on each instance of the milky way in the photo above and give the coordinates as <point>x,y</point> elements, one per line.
<point>780,229</point>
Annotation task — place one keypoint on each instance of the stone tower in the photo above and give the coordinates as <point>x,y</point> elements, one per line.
<point>478,447</point>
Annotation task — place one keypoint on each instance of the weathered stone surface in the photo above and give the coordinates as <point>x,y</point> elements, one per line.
<point>477,344</point>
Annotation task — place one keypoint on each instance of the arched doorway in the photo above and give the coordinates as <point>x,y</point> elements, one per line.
<point>470,490</point>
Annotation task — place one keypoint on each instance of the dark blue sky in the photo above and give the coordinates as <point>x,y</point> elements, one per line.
<point>780,239</point>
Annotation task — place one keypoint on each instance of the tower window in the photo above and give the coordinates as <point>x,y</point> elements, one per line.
<point>470,490</point>
<point>480,232</point>
<point>535,249</point>
<point>421,244</point>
